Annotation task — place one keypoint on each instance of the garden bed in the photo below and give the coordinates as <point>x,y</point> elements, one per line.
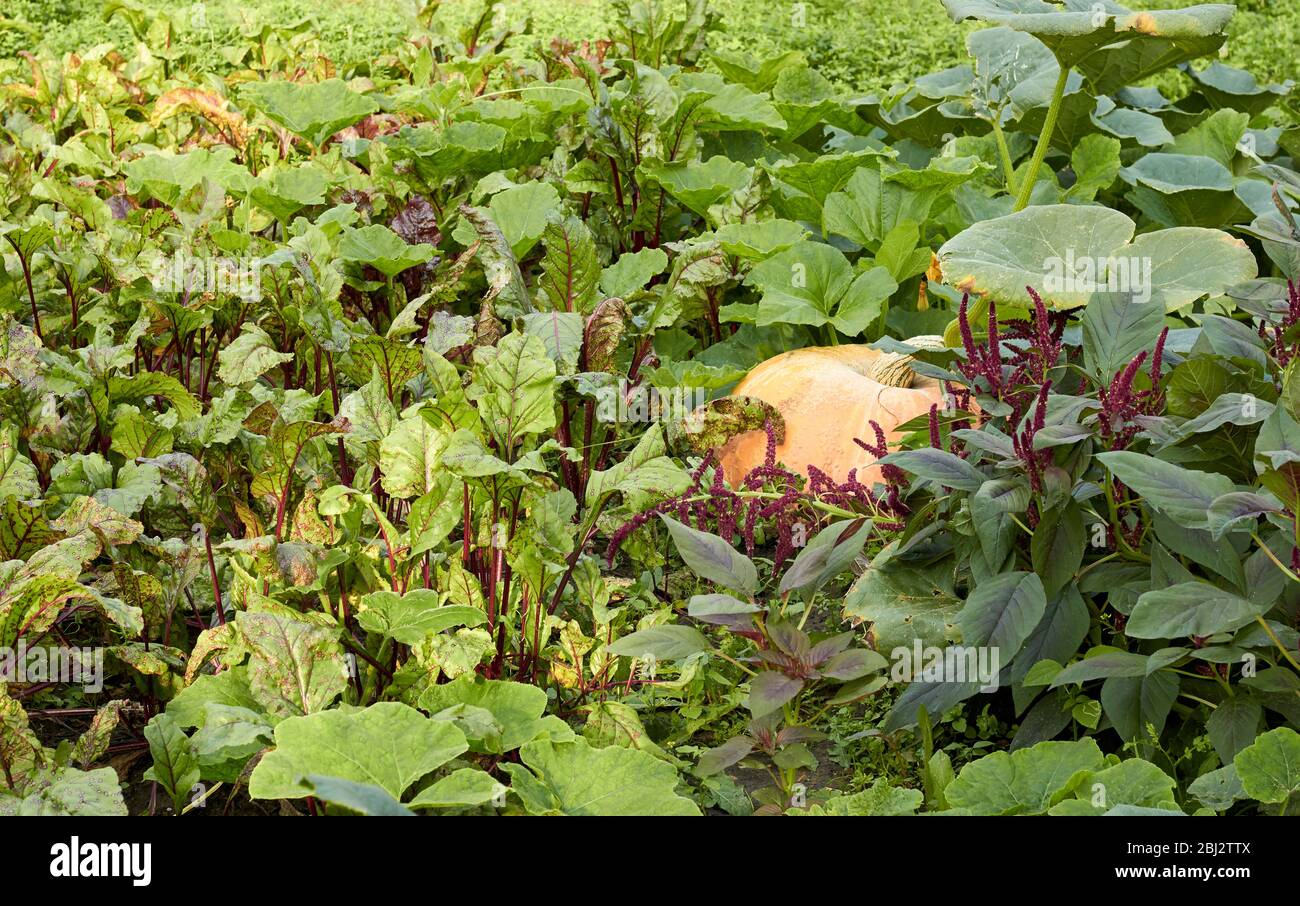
<point>381,430</point>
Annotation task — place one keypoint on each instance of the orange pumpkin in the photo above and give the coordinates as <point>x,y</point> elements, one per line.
<point>828,396</point>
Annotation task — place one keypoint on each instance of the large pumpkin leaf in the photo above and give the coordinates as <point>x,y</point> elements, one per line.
<point>1132,782</point>
<point>389,745</point>
<point>1025,782</point>
<point>572,778</point>
<point>314,111</point>
<point>1073,254</point>
<point>519,709</point>
<point>382,249</point>
<point>1112,45</point>
<point>1184,190</point>
<point>1000,257</point>
<point>1270,768</point>
<point>904,602</point>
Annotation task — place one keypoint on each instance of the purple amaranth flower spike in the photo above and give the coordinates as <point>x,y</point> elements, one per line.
<point>1121,404</point>
<point>1284,350</point>
<point>1023,441</point>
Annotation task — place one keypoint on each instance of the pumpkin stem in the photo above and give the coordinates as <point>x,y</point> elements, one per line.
<point>894,369</point>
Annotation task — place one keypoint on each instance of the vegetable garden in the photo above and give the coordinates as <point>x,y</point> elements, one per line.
<point>511,424</point>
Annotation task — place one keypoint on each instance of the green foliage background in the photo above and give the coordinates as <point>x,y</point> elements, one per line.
<point>860,44</point>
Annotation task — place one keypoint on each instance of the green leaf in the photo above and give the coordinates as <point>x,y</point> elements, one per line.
<point>1132,782</point>
<point>175,763</point>
<point>1095,161</point>
<point>812,283</point>
<point>1184,190</point>
<point>880,196</point>
<point>389,745</point>
<point>878,799</point>
<point>1135,703</point>
<point>71,792</point>
<point>1073,254</point>
<point>1025,782</point>
<point>517,707</point>
<point>1226,86</point>
<point>500,265</point>
<point>1057,547</point>
<point>711,558</point>
<point>755,73</point>
<point>1227,513</point>
<point>229,688</point>
<point>695,271</point>
<point>382,249</point>
<point>580,780</point>
<point>756,240</point>
<point>434,515</point>
<point>462,788</point>
<point>1184,495</point>
<point>698,185</point>
<point>904,603</point>
<point>719,758</point>
<point>410,458</point>
<point>1195,609</point>
<point>830,552</point>
<point>666,643</point>
<point>414,616</point>
<point>946,468</point>
<point>1218,789</point>
<point>314,111</point>
<point>1111,45</point>
<point>295,667</point>
<point>645,469</point>
<point>1106,662</point>
<point>562,334</point>
<point>362,798</point>
<point>1001,612</point>
<point>1189,262</point>
<point>1233,725</point>
<point>250,355</point>
<point>570,269</point>
<point>632,271</point>
<point>617,724</point>
<point>1270,767</point>
<point>1115,329</point>
<point>514,386</point>
<point>522,213</point>
<point>1058,635</point>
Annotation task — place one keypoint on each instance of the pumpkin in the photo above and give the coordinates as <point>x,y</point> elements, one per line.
<point>828,396</point>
